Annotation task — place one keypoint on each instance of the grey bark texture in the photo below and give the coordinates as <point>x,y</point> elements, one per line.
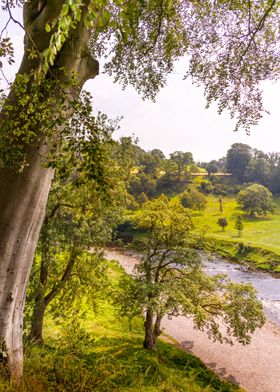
<point>149,340</point>
<point>152,330</point>
<point>23,196</point>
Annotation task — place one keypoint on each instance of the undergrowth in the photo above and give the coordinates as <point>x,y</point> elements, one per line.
<point>104,353</point>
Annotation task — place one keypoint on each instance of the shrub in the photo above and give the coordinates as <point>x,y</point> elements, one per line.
<point>241,247</point>
<point>205,187</point>
<point>222,222</point>
<point>194,200</point>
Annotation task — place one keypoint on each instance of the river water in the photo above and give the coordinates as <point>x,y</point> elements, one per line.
<point>268,286</point>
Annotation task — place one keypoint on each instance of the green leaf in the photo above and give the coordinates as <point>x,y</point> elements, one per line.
<point>65,10</point>
<point>47,28</point>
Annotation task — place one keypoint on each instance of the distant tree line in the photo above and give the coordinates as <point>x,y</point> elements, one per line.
<point>152,173</point>
<point>250,165</point>
<point>247,165</point>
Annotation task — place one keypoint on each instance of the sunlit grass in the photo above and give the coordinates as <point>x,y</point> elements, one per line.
<point>104,353</point>
<point>262,231</point>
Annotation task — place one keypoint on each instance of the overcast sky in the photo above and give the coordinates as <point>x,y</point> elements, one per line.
<point>178,119</point>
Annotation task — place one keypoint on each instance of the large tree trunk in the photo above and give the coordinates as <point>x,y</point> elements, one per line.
<point>23,196</point>
<point>23,199</point>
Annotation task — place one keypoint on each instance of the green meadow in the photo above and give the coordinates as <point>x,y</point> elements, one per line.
<point>263,231</point>
<point>261,234</point>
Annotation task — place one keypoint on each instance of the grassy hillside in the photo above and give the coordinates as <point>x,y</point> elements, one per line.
<point>260,233</point>
<point>260,237</point>
<point>104,353</point>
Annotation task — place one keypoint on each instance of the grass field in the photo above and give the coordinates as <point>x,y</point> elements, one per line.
<point>261,231</point>
<point>104,353</point>
<point>260,234</point>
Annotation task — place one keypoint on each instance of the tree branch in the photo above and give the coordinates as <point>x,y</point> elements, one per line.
<point>258,28</point>
<point>65,277</point>
<point>54,210</point>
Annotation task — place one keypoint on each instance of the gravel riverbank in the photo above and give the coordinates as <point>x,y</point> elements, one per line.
<point>255,367</point>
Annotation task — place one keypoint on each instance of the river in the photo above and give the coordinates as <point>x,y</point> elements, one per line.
<point>267,286</point>
<point>256,367</point>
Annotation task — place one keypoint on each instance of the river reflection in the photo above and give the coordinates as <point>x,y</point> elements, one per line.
<point>268,286</point>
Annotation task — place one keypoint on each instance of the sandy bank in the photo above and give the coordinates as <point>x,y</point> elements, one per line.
<point>255,367</point>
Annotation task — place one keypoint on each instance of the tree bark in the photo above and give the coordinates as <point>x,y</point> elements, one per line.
<point>149,341</point>
<point>36,332</point>
<point>42,299</point>
<point>23,196</point>
<point>23,199</point>
<point>157,330</point>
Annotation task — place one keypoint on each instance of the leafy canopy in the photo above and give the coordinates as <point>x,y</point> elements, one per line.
<point>193,199</point>
<point>169,280</point>
<point>232,46</point>
<point>256,199</point>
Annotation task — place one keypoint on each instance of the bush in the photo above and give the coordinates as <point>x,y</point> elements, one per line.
<point>193,200</point>
<point>241,247</point>
<point>205,187</point>
<point>220,190</point>
<point>222,222</point>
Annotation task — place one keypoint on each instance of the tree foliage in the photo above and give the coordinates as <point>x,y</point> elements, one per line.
<point>193,199</point>
<point>256,199</point>
<point>212,168</point>
<point>239,225</point>
<point>183,161</point>
<point>222,222</point>
<point>234,46</point>
<point>237,160</point>
<point>259,171</point>
<point>169,281</point>
<point>140,41</point>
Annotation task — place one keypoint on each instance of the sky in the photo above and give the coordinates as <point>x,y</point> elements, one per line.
<point>178,120</point>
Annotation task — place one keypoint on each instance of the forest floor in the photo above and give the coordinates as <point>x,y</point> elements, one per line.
<point>255,367</point>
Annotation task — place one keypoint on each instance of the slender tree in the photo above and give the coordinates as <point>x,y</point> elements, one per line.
<point>169,281</point>
<point>221,207</point>
<point>79,221</point>
<point>222,222</point>
<point>239,225</point>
